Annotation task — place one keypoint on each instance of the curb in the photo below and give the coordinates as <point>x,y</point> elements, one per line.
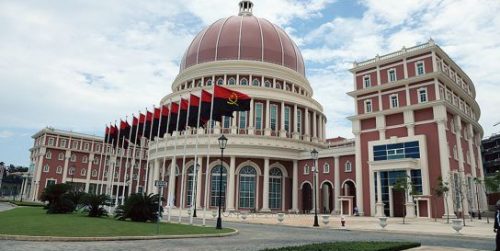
<point>111,238</point>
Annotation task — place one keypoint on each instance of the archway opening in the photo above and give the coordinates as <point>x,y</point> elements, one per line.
<point>306,198</point>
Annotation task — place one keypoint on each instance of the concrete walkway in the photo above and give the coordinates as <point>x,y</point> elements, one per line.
<point>473,229</point>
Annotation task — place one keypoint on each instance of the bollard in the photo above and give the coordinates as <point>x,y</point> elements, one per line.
<point>342,221</point>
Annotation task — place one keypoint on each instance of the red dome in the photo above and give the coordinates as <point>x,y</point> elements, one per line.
<point>244,37</point>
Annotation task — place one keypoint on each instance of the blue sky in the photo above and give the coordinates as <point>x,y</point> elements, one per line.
<point>77,65</point>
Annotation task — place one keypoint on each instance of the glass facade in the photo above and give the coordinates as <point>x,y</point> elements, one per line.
<point>214,186</point>
<point>396,151</point>
<point>388,178</point>
<point>243,120</point>
<point>247,187</point>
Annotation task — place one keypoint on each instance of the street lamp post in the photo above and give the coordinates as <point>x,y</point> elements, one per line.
<point>222,146</point>
<point>314,155</point>
<point>477,200</point>
<point>196,166</point>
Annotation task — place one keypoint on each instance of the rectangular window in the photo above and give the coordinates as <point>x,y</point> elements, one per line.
<point>420,68</point>
<point>74,145</point>
<point>392,75</point>
<point>368,106</point>
<point>366,81</point>
<point>51,141</point>
<point>287,119</point>
<point>258,116</point>
<point>394,101</point>
<point>243,120</point>
<point>299,122</point>
<point>274,117</point>
<point>396,151</point>
<point>422,95</point>
<point>86,146</point>
<point>97,148</point>
<point>63,143</point>
<point>226,122</point>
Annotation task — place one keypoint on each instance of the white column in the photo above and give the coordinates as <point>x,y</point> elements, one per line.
<point>307,127</point>
<point>482,196</point>
<point>89,171</point>
<point>67,155</point>
<point>458,135</point>
<point>359,174</point>
<point>265,192</point>
<point>379,205</point>
<point>315,124</point>
<point>267,129</point>
<point>198,182</point>
<point>295,187</point>
<point>282,121</point>
<point>234,127</point>
<point>473,165</point>
<point>440,116</point>
<point>295,133</point>
<point>336,174</point>
<point>231,187</point>
<point>251,122</point>
<point>410,205</point>
<point>171,183</point>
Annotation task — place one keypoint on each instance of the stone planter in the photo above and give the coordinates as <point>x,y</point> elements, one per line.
<point>457,225</point>
<point>189,211</point>
<point>281,217</point>
<point>214,213</point>
<point>382,222</point>
<point>244,215</point>
<point>325,219</point>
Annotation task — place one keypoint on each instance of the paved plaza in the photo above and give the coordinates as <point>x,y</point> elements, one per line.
<point>259,236</point>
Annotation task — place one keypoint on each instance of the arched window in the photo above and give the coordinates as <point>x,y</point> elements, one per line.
<point>85,159</point>
<point>208,82</point>
<point>255,82</point>
<point>267,83</point>
<point>306,169</point>
<point>348,167</point>
<point>243,81</point>
<point>247,187</point>
<point>220,81</point>
<point>189,185</point>
<point>326,168</point>
<point>59,169</point>
<point>94,173</point>
<point>46,168</point>
<point>231,81</point>
<point>214,186</point>
<point>71,171</point>
<point>60,156</point>
<point>83,172</point>
<point>73,157</point>
<point>278,85</point>
<point>275,185</point>
<point>48,155</point>
<point>198,83</point>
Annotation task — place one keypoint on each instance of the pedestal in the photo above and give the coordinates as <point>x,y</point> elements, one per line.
<point>410,210</point>
<point>379,209</point>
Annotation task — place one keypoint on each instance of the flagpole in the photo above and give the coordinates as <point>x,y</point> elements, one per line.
<point>141,150</point>
<point>148,182</point>
<point>208,149</point>
<point>133,157</point>
<point>172,165</point>
<point>127,161</point>
<point>184,157</point>
<point>111,181</point>
<point>157,142</point>
<point>195,171</point>
<point>175,152</point>
<point>105,140</point>
<point>107,158</point>
<point>122,151</point>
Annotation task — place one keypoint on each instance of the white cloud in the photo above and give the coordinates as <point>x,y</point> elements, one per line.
<point>6,134</point>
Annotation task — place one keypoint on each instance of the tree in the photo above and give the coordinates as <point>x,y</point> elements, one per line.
<point>58,201</point>
<point>404,184</point>
<point>75,196</point>
<point>139,207</point>
<point>489,184</point>
<point>95,204</point>
<point>442,190</point>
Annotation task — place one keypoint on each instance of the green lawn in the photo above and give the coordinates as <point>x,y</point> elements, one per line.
<point>351,245</point>
<point>34,221</point>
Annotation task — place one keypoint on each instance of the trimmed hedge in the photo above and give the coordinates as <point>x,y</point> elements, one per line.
<point>351,245</point>
<point>27,204</point>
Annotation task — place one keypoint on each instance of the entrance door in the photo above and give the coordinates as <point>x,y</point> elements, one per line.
<point>306,198</point>
<point>398,201</point>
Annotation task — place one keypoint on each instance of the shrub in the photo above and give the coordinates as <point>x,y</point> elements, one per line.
<point>58,201</point>
<point>75,197</point>
<point>95,204</point>
<point>139,207</point>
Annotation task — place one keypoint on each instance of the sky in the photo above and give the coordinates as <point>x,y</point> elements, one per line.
<point>77,65</point>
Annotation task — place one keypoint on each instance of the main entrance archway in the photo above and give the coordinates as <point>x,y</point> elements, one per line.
<point>306,198</point>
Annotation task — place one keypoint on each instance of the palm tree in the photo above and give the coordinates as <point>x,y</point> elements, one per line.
<point>140,207</point>
<point>95,204</point>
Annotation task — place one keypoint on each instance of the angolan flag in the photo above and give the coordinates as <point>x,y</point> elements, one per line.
<point>227,101</point>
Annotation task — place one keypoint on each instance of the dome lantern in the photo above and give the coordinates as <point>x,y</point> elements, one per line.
<point>245,8</point>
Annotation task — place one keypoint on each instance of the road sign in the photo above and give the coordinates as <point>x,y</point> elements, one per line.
<point>160,183</point>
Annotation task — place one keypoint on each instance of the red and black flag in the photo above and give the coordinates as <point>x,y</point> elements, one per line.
<point>174,114</point>
<point>227,101</point>
<point>106,135</point>
<point>113,134</point>
<point>141,131</point>
<point>156,122</point>
<point>183,114</point>
<point>164,120</point>
<point>194,103</point>
<point>135,132</point>
<point>206,105</point>
<point>148,124</point>
<point>124,133</point>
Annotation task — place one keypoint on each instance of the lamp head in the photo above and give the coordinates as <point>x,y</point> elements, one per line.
<point>222,142</point>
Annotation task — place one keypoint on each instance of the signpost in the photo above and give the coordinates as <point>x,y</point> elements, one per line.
<point>160,184</point>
